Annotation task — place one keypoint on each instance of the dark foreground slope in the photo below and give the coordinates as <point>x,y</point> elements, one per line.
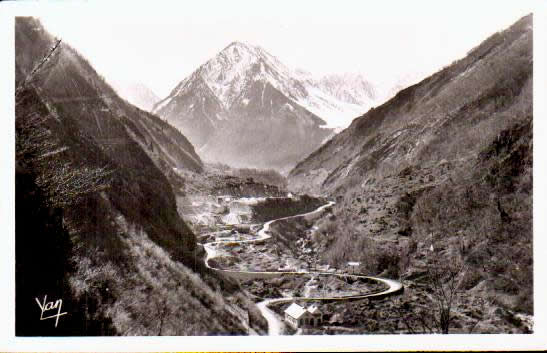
<point>96,218</point>
<point>441,171</point>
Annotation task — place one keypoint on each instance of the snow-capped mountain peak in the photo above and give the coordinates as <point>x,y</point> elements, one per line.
<point>238,65</point>
<point>245,107</point>
<point>334,98</point>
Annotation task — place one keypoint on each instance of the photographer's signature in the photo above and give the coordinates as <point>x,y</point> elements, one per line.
<point>46,307</point>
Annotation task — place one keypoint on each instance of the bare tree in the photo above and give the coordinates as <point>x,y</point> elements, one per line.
<point>443,274</point>
<point>442,279</point>
<point>37,68</point>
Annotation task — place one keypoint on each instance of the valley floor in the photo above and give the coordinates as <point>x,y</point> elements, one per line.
<point>274,274</point>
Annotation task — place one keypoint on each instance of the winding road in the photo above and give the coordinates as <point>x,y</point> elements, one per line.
<point>275,324</point>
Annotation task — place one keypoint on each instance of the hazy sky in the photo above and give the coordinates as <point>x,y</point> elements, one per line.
<point>384,40</point>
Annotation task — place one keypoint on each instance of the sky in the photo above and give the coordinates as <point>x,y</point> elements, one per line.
<point>385,41</point>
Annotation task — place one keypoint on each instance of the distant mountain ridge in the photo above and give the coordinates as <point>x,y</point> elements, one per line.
<point>246,108</point>
<point>136,93</point>
<point>351,88</point>
<point>351,94</point>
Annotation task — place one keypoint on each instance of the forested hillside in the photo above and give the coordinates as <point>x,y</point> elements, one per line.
<point>96,219</point>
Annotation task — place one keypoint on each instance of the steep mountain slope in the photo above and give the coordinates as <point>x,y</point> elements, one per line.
<point>96,186</point>
<point>245,108</point>
<point>137,94</point>
<point>443,170</point>
<point>451,115</point>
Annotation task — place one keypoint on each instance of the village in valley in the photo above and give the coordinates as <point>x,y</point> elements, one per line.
<point>276,262</point>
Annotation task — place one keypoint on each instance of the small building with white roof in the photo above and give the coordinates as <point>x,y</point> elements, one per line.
<point>297,316</point>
